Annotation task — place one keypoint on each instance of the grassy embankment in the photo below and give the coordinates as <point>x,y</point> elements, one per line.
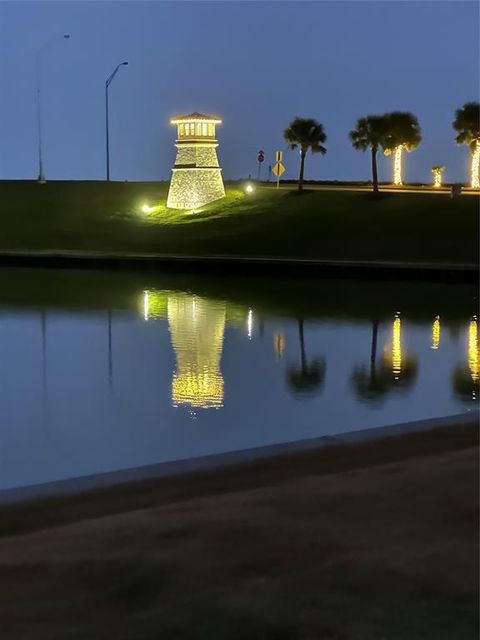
<point>319,224</point>
<point>360,542</point>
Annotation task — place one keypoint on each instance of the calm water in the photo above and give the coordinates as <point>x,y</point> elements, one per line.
<point>106,372</point>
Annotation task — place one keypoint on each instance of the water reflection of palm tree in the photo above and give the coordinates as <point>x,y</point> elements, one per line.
<point>396,371</point>
<point>371,383</point>
<point>466,378</point>
<point>307,377</point>
<point>110,353</point>
<point>464,387</point>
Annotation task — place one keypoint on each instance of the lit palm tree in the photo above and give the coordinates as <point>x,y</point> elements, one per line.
<point>309,376</point>
<point>402,134</point>
<point>437,171</point>
<point>369,133</point>
<point>306,134</point>
<point>467,126</point>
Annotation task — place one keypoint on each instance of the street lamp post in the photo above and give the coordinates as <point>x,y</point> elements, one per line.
<point>107,141</point>
<point>39,59</point>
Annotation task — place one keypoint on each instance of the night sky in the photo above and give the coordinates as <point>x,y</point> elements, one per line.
<point>255,64</point>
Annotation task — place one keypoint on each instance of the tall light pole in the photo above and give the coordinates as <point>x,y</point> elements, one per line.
<point>38,68</point>
<point>107,142</point>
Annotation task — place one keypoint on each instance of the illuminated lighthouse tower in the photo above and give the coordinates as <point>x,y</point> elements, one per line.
<point>196,176</point>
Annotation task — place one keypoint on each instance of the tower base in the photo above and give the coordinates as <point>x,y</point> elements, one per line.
<point>193,188</point>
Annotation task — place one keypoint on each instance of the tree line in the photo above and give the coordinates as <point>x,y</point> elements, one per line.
<point>393,133</point>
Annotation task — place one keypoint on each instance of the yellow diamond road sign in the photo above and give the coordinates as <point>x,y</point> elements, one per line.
<point>278,169</point>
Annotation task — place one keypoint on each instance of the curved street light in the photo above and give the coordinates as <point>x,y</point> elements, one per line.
<point>38,67</point>
<point>107,139</point>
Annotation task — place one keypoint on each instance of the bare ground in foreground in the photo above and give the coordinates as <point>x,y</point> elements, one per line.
<point>368,541</point>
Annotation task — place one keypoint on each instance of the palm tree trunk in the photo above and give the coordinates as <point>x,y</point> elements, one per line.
<point>302,169</point>
<point>374,170</point>
<point>303,357</point>
<point>373,350</point>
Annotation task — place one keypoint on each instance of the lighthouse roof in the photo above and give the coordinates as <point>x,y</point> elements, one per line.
<point>196,117</point>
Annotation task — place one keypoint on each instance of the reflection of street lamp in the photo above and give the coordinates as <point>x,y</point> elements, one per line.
<point>249,324</point>
<point>107,84</point>
<point>38,64</point>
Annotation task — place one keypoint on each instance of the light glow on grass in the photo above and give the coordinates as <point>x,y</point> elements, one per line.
<point>146,208</point>
<point>249,189</point>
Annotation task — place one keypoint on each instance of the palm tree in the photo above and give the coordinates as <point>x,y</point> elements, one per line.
<point>465,387</point>
<point>307,377</point>
<point>402,134</point>
<point>437,171</point>
<point>467,126</point>
<point>306,134</point>
<point>369,133</point>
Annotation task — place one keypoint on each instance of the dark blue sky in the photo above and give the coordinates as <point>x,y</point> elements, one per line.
<point>255,64</point>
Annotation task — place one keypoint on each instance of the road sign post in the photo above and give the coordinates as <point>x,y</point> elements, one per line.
<point>260,159</point>
<point>278,169</point>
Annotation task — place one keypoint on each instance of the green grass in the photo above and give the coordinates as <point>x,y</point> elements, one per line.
<point>318,224</point>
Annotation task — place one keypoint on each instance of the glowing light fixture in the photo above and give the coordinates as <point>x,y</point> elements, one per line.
<point>437,176</point>
<point>196,175</point>
<point>146,208</point>
<point>475,170</point>
<point>249,188</point>
<point>436,333</point>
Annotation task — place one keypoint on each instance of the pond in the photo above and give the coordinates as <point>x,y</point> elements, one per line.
<point>109,371</point>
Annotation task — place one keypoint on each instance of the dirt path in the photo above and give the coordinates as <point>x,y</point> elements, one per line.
<point>370,541</point>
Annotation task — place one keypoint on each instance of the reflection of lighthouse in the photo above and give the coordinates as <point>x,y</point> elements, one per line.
<point>197,326</point>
